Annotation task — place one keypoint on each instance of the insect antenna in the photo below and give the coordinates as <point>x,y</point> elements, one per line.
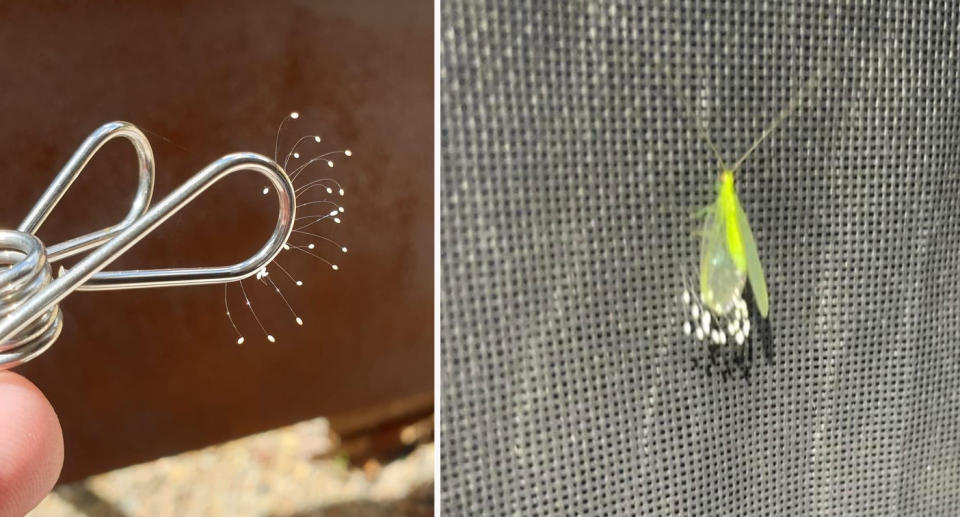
<point>692,115</point>
<point>784,113</point>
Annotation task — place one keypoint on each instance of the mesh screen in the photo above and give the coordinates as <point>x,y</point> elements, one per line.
<point>570,171</point>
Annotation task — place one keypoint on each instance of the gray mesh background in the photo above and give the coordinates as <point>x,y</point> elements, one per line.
<point>569,173</point>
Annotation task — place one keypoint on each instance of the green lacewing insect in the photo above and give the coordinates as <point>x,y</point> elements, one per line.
<point>728,251</point>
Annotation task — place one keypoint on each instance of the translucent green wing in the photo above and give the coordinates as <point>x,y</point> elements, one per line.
<point>754,270</point>
<point>721,282</point>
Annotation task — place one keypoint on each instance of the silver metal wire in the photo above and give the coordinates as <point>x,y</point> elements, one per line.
<point>29,294</point>
<point>72,170</point>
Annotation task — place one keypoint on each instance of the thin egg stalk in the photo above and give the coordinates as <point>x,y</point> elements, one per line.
<point>263,275</point>
<point>728,254</point>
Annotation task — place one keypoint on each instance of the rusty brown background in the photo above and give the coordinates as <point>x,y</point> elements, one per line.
<point>144,373</point>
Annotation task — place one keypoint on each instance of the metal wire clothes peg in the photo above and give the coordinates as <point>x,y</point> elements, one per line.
<point>29,293</point>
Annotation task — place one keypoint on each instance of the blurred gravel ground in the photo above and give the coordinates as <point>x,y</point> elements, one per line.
<point>275,474</point>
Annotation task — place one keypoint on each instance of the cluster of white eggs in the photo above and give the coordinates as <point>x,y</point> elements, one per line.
<point>317,210</point>
<point>704,325</point>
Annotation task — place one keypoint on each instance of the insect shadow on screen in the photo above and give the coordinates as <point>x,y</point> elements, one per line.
<point>731,360</point>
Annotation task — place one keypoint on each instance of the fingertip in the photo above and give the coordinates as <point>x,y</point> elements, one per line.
<point>31,445</point>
